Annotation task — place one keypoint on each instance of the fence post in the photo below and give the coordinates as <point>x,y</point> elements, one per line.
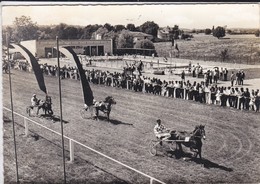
<point>151,180</point>
<point>71,150</point>
<point>112,83</point>
<point>143,90</point>
<point>26,129</point>
<point>209,98</point>
<point>127,87</point>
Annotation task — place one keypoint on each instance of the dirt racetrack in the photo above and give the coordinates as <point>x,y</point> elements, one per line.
<point>231,152</point>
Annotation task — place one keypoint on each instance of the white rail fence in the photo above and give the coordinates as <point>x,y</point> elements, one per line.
<point>72,142</point>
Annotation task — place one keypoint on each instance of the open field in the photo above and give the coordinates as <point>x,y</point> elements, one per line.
<point>231,152</point>
<point>241,48</point>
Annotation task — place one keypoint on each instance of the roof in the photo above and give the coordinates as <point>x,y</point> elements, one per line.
<point>165,30</point>
<point>139,34</point>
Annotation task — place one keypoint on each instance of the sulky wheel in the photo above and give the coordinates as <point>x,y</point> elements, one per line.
<point>83,113</point>
<point>152,148</point>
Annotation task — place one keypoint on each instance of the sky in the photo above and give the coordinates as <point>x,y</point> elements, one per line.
<point>185,15</point>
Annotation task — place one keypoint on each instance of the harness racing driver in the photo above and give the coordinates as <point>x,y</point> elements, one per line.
<point>161,132</point>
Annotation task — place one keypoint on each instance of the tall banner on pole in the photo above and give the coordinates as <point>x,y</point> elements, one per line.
<point>34,63</point>
<point>87,92</point>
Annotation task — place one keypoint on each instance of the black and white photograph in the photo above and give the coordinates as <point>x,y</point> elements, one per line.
<point>130,92</point>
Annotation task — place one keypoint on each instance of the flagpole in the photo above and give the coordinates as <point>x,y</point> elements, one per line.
<point>11,97</point>
<point>61,122</point>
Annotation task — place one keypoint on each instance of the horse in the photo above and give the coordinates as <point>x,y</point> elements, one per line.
<point>46,106</point>
<point>105,106</point>
<point>194,142</point>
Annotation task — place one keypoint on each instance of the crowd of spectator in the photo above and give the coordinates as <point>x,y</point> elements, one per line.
<point>207,91</point>
<point>218,74</point>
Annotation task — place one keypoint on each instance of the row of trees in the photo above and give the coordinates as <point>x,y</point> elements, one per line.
<point>221,32</point>
<point>218,32</point>
<point>24,28</point>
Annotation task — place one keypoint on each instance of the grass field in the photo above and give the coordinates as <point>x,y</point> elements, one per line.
<point>241,48</point>
<point>231,152</point>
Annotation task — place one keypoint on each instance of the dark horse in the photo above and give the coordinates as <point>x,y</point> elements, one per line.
<point>46,106</point>
<point>194,141</point>
<point>105,106</point>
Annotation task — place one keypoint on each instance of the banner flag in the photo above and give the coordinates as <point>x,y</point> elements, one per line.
<point>87,92</point>
<point>34,63</point>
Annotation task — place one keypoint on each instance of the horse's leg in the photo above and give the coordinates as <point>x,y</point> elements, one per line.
<point>108,113</point>
<point>180,147</point>
<point>97,112</point>
<point>199,152</point>
<point>38,108</point>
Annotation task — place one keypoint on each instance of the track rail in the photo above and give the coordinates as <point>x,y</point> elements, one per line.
<point>72,142</point>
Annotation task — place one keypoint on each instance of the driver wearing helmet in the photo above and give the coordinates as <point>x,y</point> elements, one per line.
<point>161,132</point>
<point>34,101</point>
<point>95,103</point>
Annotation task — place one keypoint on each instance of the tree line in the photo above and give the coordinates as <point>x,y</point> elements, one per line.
<point>24,28</point>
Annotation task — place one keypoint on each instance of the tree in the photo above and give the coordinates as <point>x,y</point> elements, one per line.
<point>89,30</point>
<point>109,27</point>
<point>176,32</point>
<point>119,28</point>
<point>219,32</point>
<point>229,31</point>
<point>70,32</point>
<point>125,40</point>
<point>130,27</point>
<point>7,34</point>
<point>144,44</point>
<point>149,28</point>
<point>101,31</point>
<point>24,29</point>
<point>137,28</point>
<point>257,33</point>
<point>58,30</point>
<point>207,31</point>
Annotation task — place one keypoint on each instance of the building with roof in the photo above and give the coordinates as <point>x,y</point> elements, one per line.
<point>140,36</point>
<point>165,33</point>
<point>46,48</point>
